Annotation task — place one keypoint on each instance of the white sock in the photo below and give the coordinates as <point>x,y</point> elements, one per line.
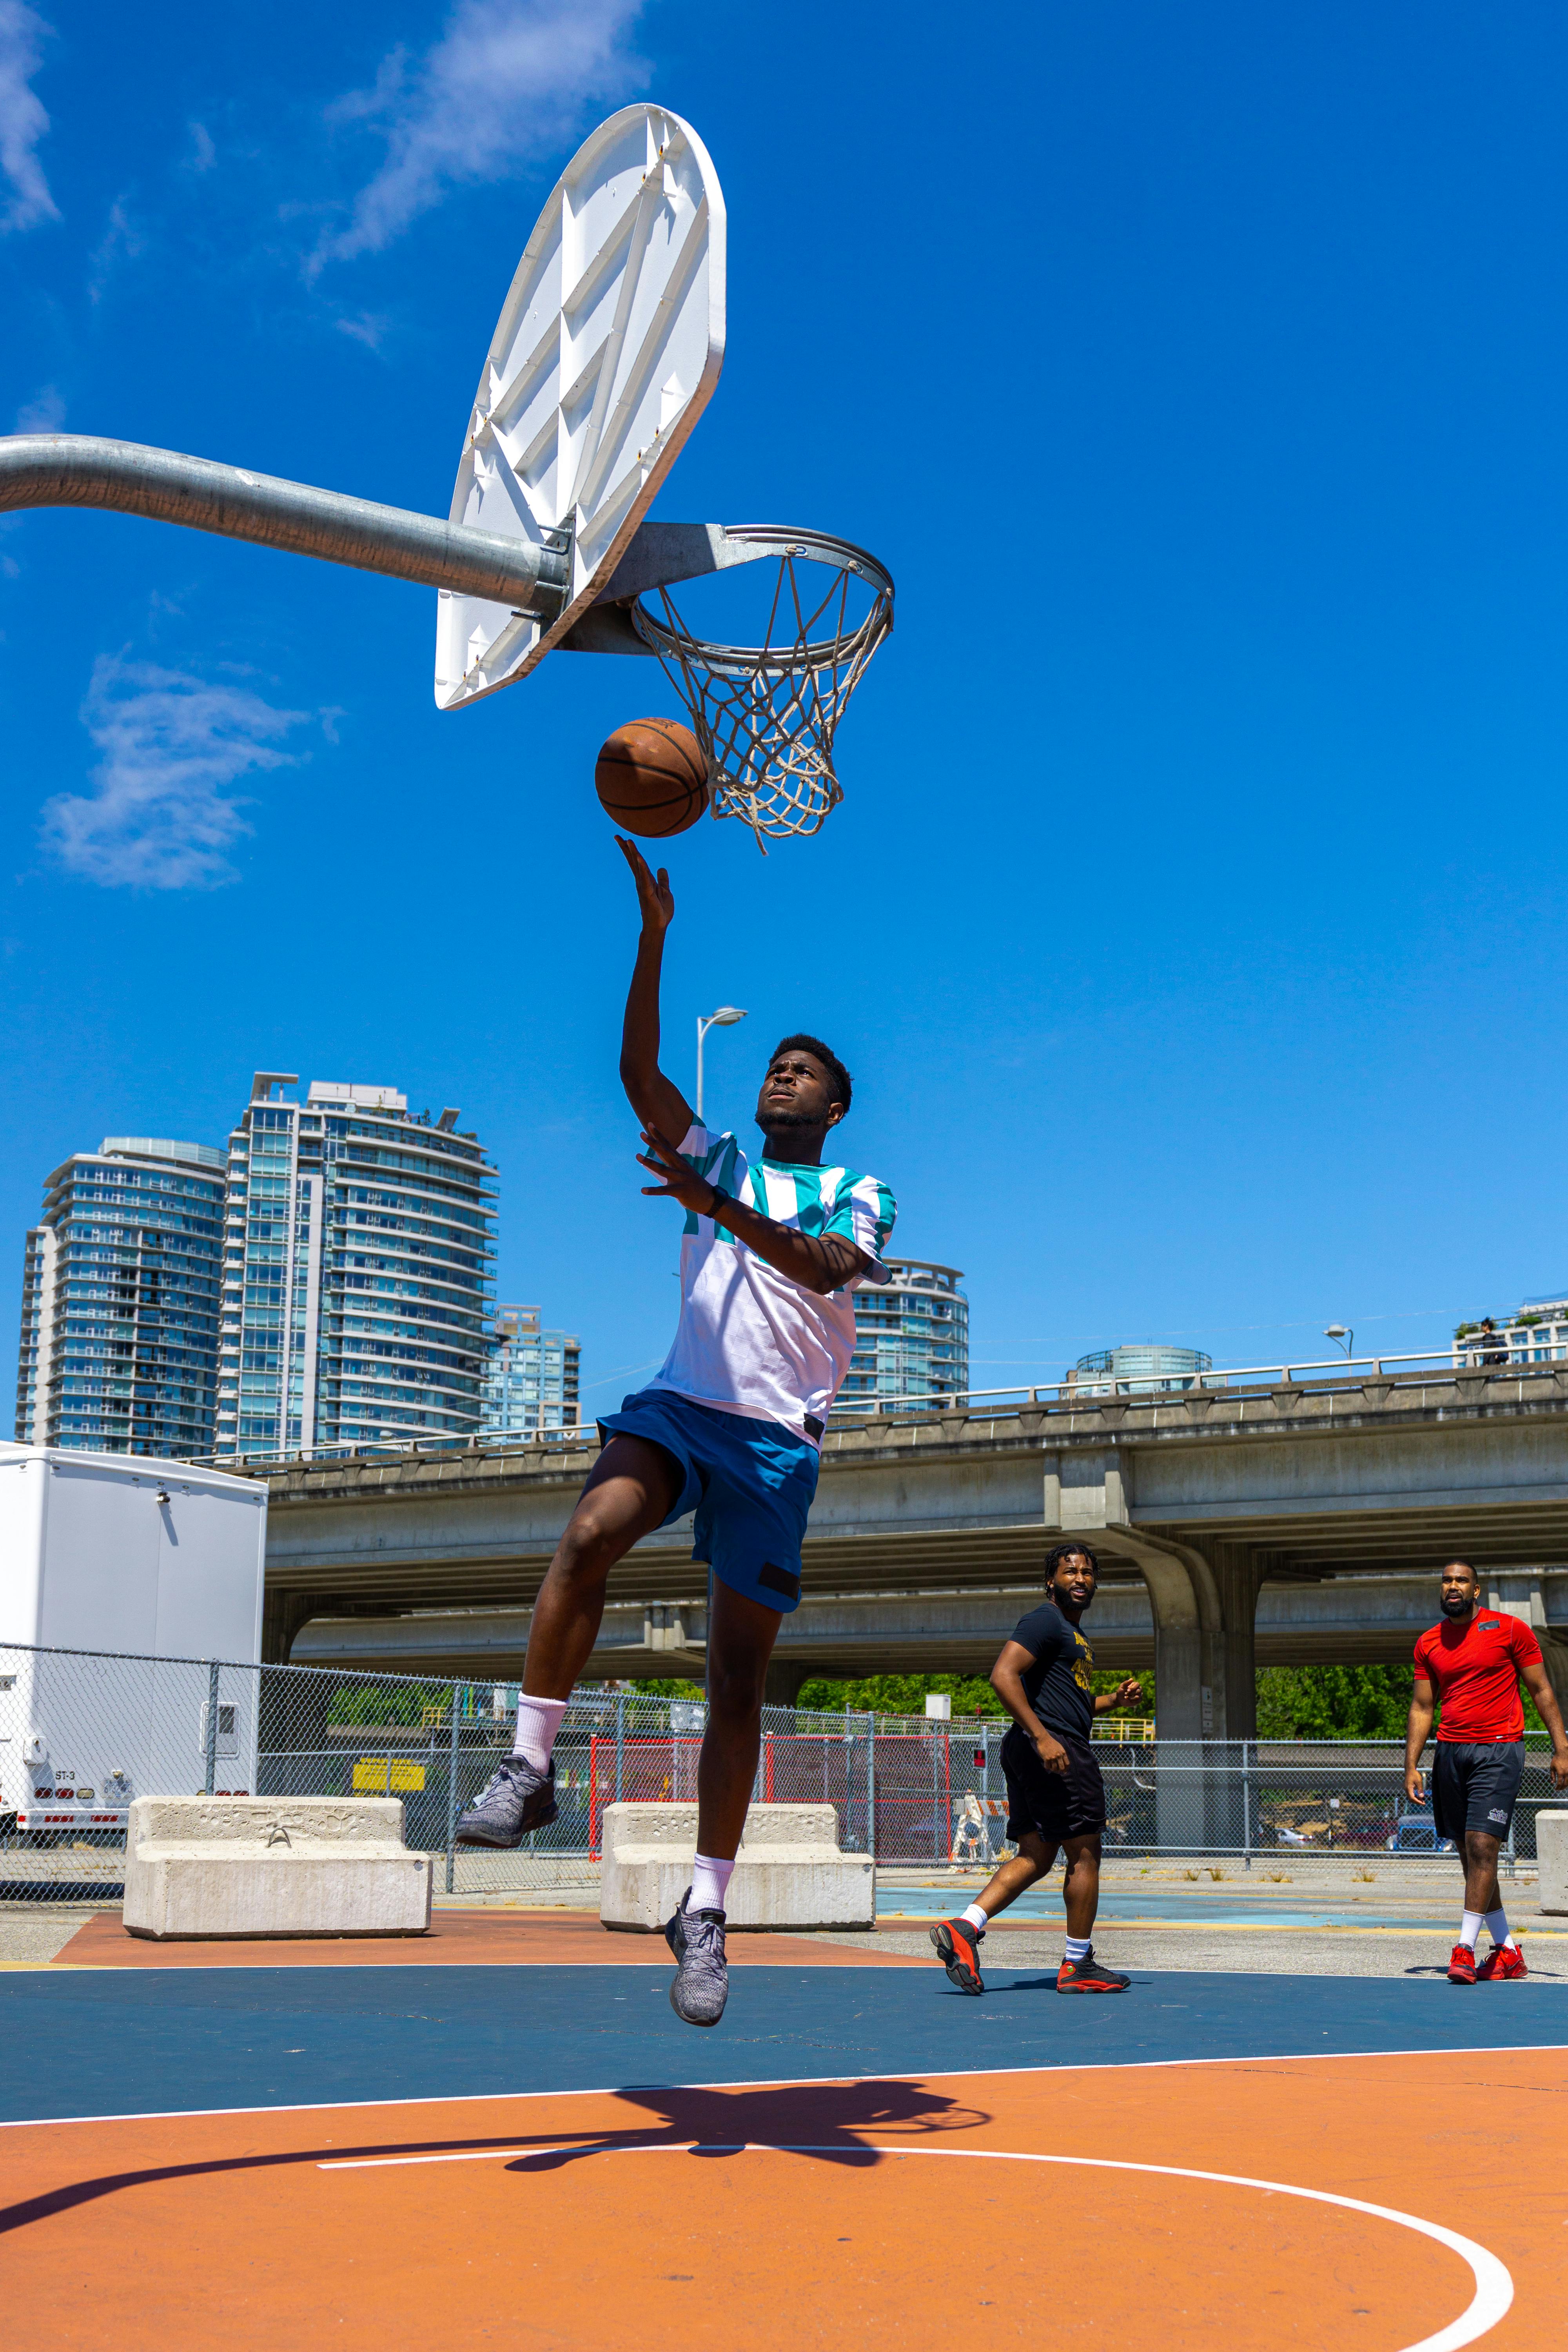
<point>710,1882</point>
<point>1470,1929</point>
<point>973,1916</point>
<point>1497,1927</point>
<point>538,1721</point>
<point>1078,1948</point>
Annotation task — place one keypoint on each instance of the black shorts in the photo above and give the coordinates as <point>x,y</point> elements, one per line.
<point>1475,1786</point>
<point>1055,1805</point>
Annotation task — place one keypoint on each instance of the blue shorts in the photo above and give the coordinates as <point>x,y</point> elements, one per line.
<point>749,1483</point>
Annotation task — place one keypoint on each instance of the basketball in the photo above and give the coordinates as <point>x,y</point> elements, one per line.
<point>652,778</point>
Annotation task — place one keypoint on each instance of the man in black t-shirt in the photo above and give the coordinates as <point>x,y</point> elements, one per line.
<point>1054,1793</point>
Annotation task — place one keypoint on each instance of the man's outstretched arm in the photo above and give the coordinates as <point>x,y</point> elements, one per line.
<point>819,1262</point>
<point>1538,1683</point>
<point>1418,1731</point>
<point>657,1101</point>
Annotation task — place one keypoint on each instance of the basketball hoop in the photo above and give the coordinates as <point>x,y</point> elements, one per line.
<point>766,715</point>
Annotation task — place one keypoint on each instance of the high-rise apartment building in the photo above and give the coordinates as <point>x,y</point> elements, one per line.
<point>530,1376</point>
<point>357,1271</point>
<point>119,1301</point>
<point>911,1336</point>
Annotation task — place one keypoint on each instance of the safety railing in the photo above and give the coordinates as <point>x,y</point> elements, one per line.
<point>1069,1393</point>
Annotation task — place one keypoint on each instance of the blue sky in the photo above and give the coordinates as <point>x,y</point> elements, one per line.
<point>1194,921</point>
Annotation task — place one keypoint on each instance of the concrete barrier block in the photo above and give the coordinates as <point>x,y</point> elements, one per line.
<point>789,1871</point>
<point>1552,1851</point>
<point>265,1867</point>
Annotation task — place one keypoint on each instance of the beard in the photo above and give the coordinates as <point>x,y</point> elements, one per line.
<point>779,1122</point>
<point>1454,1607</point>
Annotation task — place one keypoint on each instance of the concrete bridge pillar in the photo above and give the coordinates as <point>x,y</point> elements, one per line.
<point>1238,1573</point>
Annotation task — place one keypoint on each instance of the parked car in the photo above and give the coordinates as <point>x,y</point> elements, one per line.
<point>1415,1832</point>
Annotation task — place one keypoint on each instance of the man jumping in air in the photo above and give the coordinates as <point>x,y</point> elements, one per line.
<point>1056,1796</point>
<point>730,1428</point>
<point>1473,1663</point>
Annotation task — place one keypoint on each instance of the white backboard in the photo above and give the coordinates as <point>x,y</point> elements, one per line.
<point>608,349</point>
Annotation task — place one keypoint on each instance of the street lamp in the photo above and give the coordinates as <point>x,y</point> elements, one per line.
<point>725,1018</point>
<point>1346,1340</point>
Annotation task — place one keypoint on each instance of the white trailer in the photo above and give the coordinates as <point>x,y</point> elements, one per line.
<point>122,1579</point>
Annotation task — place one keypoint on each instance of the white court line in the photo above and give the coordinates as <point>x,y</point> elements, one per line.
<point>784,2083</point>
<point>1491,2299</point>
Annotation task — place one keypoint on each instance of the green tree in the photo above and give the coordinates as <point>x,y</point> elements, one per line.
<point>1342,1703</point>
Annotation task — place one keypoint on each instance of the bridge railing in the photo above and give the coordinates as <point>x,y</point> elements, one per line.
<point>1068,1394</point>
<point>84,1732</point>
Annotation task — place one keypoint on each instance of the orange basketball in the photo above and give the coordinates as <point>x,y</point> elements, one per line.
<point>652,778</point>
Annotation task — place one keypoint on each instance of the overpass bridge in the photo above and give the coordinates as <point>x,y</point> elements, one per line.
<point>1213,1509</point>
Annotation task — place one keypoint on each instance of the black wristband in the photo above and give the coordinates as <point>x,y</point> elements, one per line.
<point>720,1201</point>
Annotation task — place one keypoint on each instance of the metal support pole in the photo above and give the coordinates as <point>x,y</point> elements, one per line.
<point>871,1787</point>
<point>935,1801</point>
<point>452,1793</point>
<point>74,469</point>
<point>212,1727</point>
<point>620,1742</point>
<point>1246,1802</point>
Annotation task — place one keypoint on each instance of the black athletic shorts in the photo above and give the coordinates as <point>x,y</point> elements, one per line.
<point>1055,1805</point>
<point>1475,1785</point>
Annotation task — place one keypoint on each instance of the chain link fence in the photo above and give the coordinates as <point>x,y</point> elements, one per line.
<point>84,1732</point>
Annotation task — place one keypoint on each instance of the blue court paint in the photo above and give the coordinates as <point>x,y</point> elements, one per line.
<point>1181,1906</point>
<point>159,2041</point>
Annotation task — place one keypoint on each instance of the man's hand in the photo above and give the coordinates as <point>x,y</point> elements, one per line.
<point>1126,1693</point>
<point>1558,1767</point>
<point>1051,1753</point>
<point>1414,1785</point>
<point>679,1179</point>
<point>656,900</point>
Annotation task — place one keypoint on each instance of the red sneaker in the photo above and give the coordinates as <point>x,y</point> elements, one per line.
<point>958,1949</point>
<point>1089,1975</point>
<point>1461,1965</point>
<point>1502,1963</point>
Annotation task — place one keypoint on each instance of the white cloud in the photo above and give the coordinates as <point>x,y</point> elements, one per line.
<point>160,817</point>
<point>507,78</point>
<point>122,241</point>
<point>23,121</point>
<point>45,413</point>
<point>204,154</point>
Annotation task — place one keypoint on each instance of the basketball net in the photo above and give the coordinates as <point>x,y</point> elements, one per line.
<point>766,715</point>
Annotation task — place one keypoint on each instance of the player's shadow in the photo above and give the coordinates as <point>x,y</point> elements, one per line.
<point>818,2120</point>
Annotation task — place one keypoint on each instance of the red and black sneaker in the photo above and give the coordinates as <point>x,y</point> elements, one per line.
<point>1461,1965</point>
<point>958,1949</point>
<point>1089,1975</point>
<point>1503,1964</point>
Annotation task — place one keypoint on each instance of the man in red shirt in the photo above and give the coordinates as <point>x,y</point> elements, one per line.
<point>1472,1664</point>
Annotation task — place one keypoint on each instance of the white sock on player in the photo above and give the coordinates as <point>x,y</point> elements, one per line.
<point>973,1916</point>
<point>538,1721</point>
<point>1470,1929</point>
<point>1497,1927</point>
<point>1076,1949</point>
<point>710,1882</point>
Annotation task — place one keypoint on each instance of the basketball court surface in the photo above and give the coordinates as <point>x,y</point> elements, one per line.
<point>502,2133</point>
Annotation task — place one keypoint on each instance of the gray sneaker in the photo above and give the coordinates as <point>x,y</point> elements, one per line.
<point>518,1800</point>
<point>702,1985</point>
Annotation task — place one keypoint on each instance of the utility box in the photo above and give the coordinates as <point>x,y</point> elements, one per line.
<point>160,1563</point>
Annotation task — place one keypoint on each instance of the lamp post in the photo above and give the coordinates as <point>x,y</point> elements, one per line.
<point>725,1018</point>
<point>1346,1340</point>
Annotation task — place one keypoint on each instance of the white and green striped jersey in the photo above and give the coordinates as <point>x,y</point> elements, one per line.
<point>750,1341</point>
